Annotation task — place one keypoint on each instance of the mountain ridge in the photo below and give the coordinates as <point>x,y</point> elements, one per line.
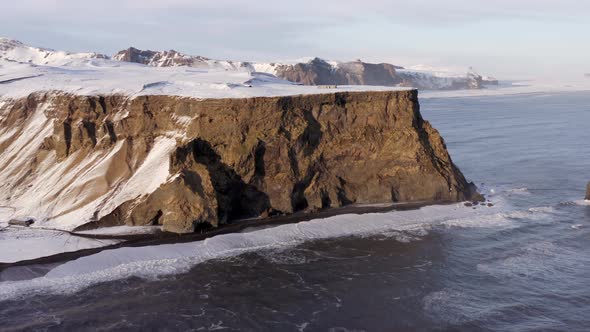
<point>315,71</point>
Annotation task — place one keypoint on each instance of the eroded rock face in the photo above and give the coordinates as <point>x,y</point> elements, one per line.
<point>588,191</point>
<point>320,72</point>
<point>170,58</point>
<point>190,164</point>
<point>174,58</point>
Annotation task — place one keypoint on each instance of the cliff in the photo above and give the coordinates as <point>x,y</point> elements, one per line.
<point>320,72</point>
<point>75,161</point>
<point>170,58</point>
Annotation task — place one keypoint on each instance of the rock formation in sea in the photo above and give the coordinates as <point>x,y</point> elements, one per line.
<point>588,191</point>
<point>89,161</point>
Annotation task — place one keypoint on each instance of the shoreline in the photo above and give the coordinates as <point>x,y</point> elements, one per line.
<point>159,238</point>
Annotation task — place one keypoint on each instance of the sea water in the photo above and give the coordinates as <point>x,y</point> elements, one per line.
<point>520,265</point>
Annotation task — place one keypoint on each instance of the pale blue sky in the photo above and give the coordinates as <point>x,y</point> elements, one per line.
<point>501,37</point>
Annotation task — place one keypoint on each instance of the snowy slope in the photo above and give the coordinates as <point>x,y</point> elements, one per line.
<point>100,76</point>
<point>174,58</point>
<point>352,72</point>
<point>25,69</point>
<point>14,50</point>
<point>19,243</point>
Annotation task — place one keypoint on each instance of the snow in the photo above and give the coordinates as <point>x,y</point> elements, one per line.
<point>437,71</point>
<point>25,69</point>
<point>83,186</point>
<point>13,49</point>
<point>150,175</point>
<point>22,243</point>
<point>100,76</point>
<point>514,87</point>
<point>123,230</point>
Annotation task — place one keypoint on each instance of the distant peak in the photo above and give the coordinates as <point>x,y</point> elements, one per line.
<point>317,59</point>
<point>159,58</point>
<point>7,43</point>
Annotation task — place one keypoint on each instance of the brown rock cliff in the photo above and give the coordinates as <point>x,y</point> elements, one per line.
<point>233,158</point>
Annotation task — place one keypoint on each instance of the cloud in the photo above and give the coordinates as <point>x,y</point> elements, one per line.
<point>435,11</point>
<point>379,30</point>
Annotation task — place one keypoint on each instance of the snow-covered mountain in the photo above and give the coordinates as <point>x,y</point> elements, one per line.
<point>315,71</point>
<point>14,50</point>
<point>174,58</point>
<point>25,70</point>
<point>101,73</point>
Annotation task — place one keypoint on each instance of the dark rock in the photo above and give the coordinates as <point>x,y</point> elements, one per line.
<point>468,204</point>
<point>588,191</point>
<point>159,58</point>
<point>26,222</point>
<point>490,204</point>
<point>320,72</point>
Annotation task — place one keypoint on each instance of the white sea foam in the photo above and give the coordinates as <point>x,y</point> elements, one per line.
<point>523,191</point>
<point>537,258</point>
<point>155,261</point>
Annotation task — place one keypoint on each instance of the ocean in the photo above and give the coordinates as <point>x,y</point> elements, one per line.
<point>522,264</point>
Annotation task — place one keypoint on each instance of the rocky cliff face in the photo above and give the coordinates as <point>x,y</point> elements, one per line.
<point>588,191</point>
<point>320,72</point>
<point>160,58</point>
<point>174,58</point>
<point>186,163</point>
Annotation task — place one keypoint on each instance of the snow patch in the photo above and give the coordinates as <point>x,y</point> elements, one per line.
<point>123,230</point>
<point>153,172</point>
<point>21,243</point>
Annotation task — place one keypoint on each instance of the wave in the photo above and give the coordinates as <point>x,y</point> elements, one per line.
<point>153,262</point>
<point>543,259</point>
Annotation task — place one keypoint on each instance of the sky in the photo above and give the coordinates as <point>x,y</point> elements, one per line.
<point>505,38</point>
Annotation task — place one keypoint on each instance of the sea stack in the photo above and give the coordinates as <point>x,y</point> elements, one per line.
<point>588,191</point>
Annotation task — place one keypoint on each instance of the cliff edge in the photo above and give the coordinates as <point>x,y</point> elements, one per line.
<point>80,162</point>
